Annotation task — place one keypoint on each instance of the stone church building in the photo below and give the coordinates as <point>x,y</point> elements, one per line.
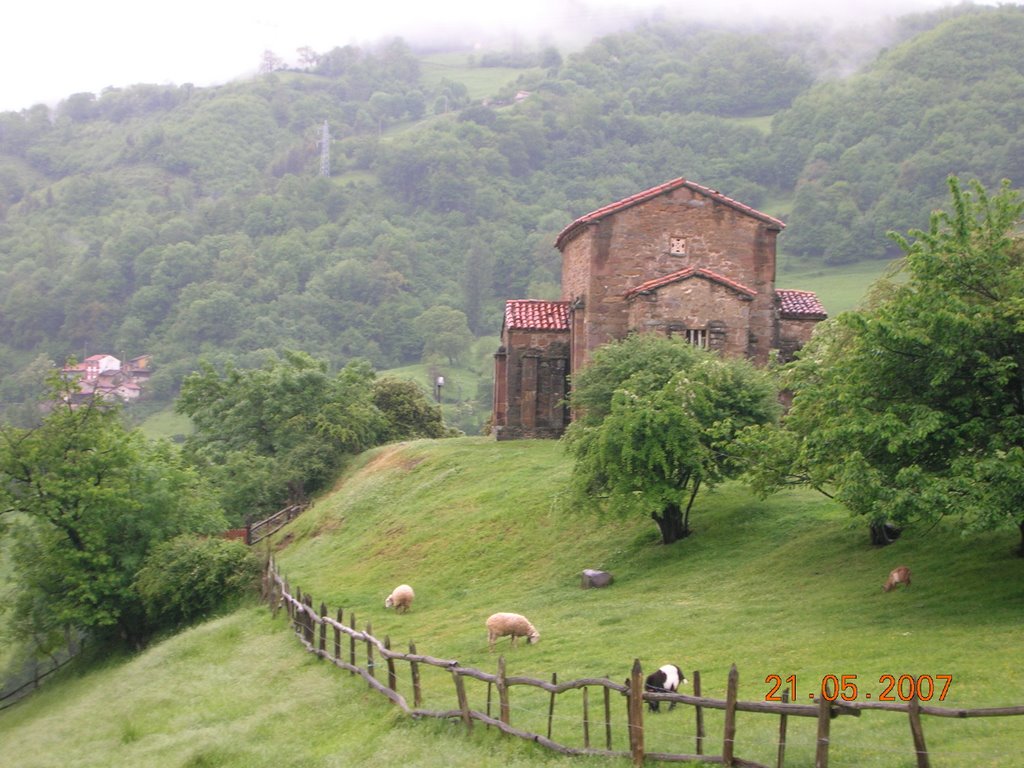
<point>679,259</point>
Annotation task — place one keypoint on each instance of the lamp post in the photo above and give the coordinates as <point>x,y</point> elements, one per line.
<point>437,388</point>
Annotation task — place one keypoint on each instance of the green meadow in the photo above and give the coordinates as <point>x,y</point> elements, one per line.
<point>783,587</point>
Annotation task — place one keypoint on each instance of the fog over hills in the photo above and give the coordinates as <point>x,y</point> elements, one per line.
<point>109,43</point>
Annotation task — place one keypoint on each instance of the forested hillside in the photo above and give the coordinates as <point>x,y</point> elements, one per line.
<point>192,223</point>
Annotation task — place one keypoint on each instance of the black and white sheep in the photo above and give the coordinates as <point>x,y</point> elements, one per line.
<point>400,598</point>
<point>666,679</point>
<point>501,624</point>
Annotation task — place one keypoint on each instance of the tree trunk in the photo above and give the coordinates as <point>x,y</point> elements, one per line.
<point>671,523</point>
<point>883,533</point>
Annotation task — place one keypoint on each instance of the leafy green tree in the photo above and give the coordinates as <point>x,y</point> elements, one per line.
<point>292,418</point>
<point>643,363</point>
<point>913,408</point>
<point>407,409</point>
<point>445,332</point>
<point>89,500</point>
<point>661,440</point>
<point>189,577</point>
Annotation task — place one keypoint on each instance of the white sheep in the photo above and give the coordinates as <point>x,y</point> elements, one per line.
<point>400,598</point>
<point>501,624</point>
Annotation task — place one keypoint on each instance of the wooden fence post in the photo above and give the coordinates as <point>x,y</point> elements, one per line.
<point>502,692</point>
<point>392,678</point>
<point>297,612</point>
<point>586,717</point>
<point>417,696</point>
<point>608,716</point>
<point>699,713</point>
<point>914,711</point>
<point>824,721</point>
<point>352,646</point>
<point>635,707</point>
<point>782,731</point>
<point>288,603</point>
<point>551,704</point>
<point>729,735</point>
<point>309,633</point>
<point>369,651</point>
<point>337,637</point>
<point>323,628</point>
<point>460,692</point>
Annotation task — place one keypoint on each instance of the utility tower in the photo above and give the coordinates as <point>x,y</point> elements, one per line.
<point>325,150</point>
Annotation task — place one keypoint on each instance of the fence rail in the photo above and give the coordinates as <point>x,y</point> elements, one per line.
<point>255,532</point>
<point>312,628</point>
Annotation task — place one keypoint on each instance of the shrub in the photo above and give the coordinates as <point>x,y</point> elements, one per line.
<point>190,577</point>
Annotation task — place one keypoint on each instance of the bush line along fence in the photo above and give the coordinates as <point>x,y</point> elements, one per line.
<point>312,628</point>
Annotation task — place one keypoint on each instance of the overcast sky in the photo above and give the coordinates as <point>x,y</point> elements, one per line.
<point>49,51</point>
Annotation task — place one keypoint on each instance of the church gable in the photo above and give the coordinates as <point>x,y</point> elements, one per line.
<point>580,224</point>
<point>685,274</point>
<point>701,306</point>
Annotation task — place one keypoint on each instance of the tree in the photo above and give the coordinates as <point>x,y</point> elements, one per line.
<point>661,440</point>
<point>913,408</point>
<point>89,499</point>
<point>291,419</point>
<point>270,62</point>
<point>189,577</point>
<point>407,409</point>
<point>308,58</point>
<point>445,332</point>
<point>643,363</point>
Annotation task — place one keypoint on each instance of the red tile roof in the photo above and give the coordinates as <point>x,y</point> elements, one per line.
<point>683,274</point>
<point>573,229</point>
<point>537,315</point>
<point>800,304</point>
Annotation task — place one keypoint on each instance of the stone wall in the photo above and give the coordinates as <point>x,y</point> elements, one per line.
<point>535,365</point>
<point>793,334</point>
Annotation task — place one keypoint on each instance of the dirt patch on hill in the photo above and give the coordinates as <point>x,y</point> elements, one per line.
<point>392,458</point>
<point>328,525</point>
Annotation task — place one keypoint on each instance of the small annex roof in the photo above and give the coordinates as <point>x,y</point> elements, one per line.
<point>577,226</point>
<point>684,274</point>
<point>800,305</point>
<point>536,315</point>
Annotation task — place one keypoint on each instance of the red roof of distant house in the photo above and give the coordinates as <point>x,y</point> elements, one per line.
<point>683,274</point>
<point>537,315</point>
<point>800,304</point>
<point>570,231</point>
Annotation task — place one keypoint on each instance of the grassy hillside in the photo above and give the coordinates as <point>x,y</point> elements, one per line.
<point>480,82</point>
<point>784,587</point>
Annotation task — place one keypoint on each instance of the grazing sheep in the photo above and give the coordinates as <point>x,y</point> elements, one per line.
<point>400,598</point>
<point>899,575</point>
<point>501,624</point>
<point>667,679</point>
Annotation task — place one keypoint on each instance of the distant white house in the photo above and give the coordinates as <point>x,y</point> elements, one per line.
<point>107,377</point>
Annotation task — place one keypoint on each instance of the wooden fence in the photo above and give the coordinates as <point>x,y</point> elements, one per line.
<point>343,644</point>
<point>255,532</point>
